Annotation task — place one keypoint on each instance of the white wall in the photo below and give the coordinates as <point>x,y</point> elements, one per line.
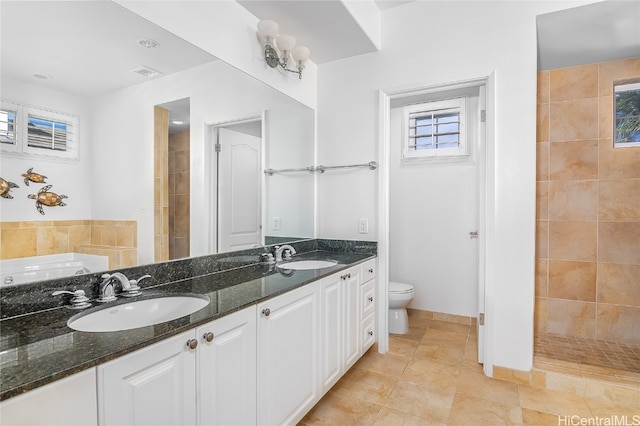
<point>123,143</point>
<point>68,177</point>
<point>430,43</point>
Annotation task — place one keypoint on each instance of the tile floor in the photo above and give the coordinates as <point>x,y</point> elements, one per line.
<point>431,377</point>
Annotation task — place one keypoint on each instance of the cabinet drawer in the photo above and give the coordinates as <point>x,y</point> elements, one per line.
<point>368,332</point>
<point>368,303</point>
<point>368,270</point>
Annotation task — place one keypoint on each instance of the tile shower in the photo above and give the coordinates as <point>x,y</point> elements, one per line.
<point>588,220</point>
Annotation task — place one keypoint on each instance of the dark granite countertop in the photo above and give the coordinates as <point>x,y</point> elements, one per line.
<point>39,348</point>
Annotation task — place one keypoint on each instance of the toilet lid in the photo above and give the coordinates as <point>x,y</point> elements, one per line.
<point>395,287</point>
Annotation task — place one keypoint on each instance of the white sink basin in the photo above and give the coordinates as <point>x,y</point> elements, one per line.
<point>307,264</point>
<point>139,313</point>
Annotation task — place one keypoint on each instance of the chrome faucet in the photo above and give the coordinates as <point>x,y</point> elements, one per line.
<point>107,290</point>
<point>284,252</point>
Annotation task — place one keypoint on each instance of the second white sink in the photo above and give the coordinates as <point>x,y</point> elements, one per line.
<point>307,264</point>
<point>139,313</point>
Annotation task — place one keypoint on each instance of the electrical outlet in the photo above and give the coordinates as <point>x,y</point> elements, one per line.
<point>275,223</point>
<point>363,226</point>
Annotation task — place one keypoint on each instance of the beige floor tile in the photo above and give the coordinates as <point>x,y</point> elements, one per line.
<point>341,410</point>
<point>365,385</point>
<point>609,410</point>
<point>450,326</point>
<point>402,347</point>
<point>547,401</point>
<point>429,373</point>
<point>472,382</point>
<point>389,417</point>
<point>415,333</point>
<point>431,404</point>
<point>448,355</point>
<point>389,364</point>
<point>440,337</point>
<point>537,418</point>
<point>472,410</point>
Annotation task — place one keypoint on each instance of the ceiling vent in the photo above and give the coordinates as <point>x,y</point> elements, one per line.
<point>146,71</point>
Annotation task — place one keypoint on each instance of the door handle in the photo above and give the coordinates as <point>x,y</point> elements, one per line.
<point>473,235</point>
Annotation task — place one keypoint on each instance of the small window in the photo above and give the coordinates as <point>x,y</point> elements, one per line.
<point>627,115</point>
<point>30,130</point>
<point>435,129</point>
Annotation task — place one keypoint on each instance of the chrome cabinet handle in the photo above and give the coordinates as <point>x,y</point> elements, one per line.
<point>208,337</point>
<point>192,344</point>
<point>266,312</point>
<point>370,333</point>
<point>371,271</point>
<point>370,298</point>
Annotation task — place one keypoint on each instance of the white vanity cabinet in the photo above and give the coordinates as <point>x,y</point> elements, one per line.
<point>152,386</point>
<point>226,370</point>
<point>368,305</point>
<point>66,402</point>
<point>288,355</point>
<point>203,376</point>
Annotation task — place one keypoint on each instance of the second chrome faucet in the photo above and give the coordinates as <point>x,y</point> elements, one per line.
<point>129,288</point>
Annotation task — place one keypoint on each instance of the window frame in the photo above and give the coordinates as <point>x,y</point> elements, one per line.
<point>442,106</point>
<point>21,146</point>
<point>620,87</point>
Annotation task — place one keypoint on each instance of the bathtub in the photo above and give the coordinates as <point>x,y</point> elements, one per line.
<point>39,268</point>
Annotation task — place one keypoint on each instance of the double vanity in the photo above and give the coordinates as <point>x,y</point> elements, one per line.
<point>251,342</point>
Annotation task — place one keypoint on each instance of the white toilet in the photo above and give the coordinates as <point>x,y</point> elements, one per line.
<point>400,295</point>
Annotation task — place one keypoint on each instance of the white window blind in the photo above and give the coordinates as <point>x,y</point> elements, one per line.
<point>8,134</point>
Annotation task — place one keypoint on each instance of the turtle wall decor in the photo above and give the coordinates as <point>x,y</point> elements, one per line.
<point>46,198</point>
<point>34,177</point>
<point>5,187</point>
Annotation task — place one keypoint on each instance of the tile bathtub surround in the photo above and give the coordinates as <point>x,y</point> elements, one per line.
<point>431,376</point>
<point>179,195</point>
<point>588,208</point>
<point>37,238</point>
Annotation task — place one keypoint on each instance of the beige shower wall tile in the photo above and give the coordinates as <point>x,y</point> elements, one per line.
<point>571,318</point>
<point>573,160</point>
<point>573,120</point>
<point>619,200</point>
<point>572,240</point>
<point>124,236</point>
<point>619,242</point>
<point>605,117</point>
<point>619,284</point>
<point>542,200</point>
<point>572,280</point>
<point>542,239</point>
<point>542,277</point>
<point>542,123</point>
<point>543,87</point>
<point>612,71</point>
<point>618,323</point>
<point>573,200</point>
<point>79,236</point>
<point>540,313</point>
<point>618,163</point>
<point>579,82</point>
<point>542,161</point>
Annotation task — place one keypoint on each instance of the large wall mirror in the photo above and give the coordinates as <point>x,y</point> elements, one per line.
<point>96,60</point>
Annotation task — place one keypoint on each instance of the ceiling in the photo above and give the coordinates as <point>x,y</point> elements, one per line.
<point>597,32</point>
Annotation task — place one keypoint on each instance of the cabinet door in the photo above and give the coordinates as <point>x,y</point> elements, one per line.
<point>351,316</point>
<point>227,370</point>
<point>69,401</point>
<point>152,386</point>
<point>331,331</point>
<point>288,347</point>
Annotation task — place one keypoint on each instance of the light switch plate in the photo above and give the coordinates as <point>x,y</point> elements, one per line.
<point>363,226</point>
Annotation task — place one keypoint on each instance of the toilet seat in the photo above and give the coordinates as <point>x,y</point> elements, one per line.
<point>400,288</point>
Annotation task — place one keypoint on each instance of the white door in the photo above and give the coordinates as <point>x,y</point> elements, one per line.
<point>227,370</point>
<point>239,190</point>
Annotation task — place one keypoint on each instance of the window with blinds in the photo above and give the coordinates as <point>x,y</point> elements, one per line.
<point>435,129</point>
<point>30,130</point>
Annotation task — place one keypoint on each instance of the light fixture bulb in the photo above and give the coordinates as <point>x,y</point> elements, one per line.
<point>268,30</point>
<point>301,55</point>
<point>285,43</point>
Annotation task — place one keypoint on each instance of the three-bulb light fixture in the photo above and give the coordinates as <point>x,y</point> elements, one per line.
<point>268,33</point>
